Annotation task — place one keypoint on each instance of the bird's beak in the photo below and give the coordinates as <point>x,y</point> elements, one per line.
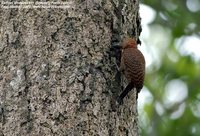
<point>116,45</point>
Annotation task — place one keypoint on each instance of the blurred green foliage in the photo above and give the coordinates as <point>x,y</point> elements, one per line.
<point>182,18</point>
<point>178,15</point>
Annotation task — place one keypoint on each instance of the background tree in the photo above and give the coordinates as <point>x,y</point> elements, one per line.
<point>172,80</point>
<point>57,74</point>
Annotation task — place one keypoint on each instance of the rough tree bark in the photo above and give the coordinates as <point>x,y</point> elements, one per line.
<point>57,74</point>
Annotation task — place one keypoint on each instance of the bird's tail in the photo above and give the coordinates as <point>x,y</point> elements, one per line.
<point>128,88</point>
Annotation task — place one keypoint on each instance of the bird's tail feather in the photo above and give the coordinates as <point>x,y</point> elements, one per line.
<point>128,88</point>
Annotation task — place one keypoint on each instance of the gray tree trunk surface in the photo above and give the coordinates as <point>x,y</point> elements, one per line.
<point>57,74</point>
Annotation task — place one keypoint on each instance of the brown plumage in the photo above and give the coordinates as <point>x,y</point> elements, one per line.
<point>133,66</point>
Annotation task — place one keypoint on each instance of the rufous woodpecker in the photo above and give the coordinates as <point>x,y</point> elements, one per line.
<point>133,66</point>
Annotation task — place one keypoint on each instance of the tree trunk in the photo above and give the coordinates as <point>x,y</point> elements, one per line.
<point>58,74</point>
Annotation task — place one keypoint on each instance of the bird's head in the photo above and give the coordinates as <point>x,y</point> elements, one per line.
<point>129,43</point>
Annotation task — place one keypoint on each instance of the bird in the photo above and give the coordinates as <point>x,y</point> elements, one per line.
<point>132,65</point>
